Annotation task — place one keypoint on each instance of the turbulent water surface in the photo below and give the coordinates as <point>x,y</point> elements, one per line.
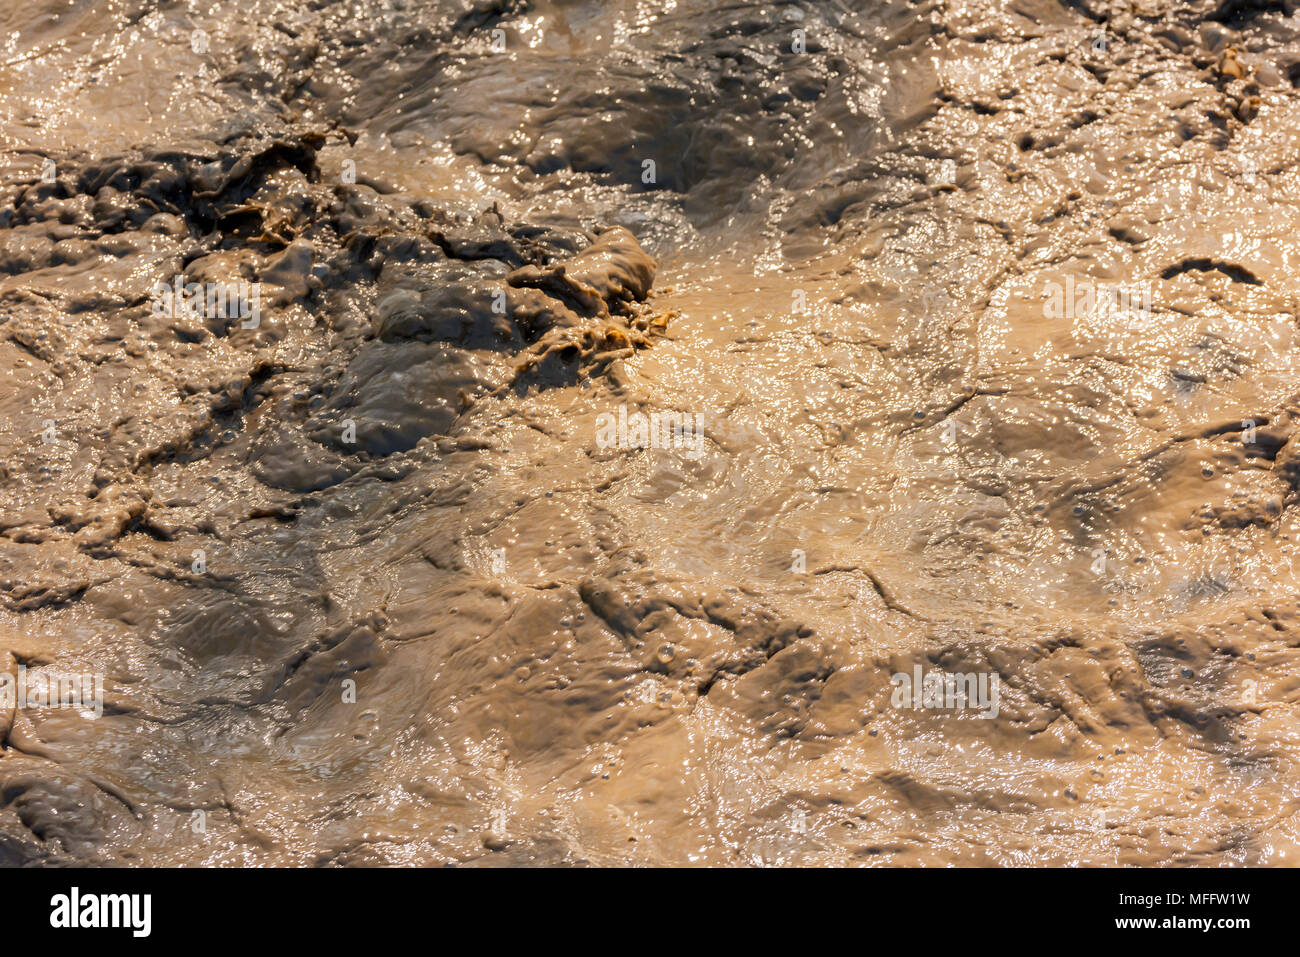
<point>634,390</point>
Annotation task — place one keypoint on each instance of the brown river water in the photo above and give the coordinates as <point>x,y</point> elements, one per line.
<point>564,432</point>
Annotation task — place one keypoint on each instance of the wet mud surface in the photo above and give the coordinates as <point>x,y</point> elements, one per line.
<point>372,576</point>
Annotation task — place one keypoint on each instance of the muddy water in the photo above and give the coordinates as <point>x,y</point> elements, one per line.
<point>622,405</point>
